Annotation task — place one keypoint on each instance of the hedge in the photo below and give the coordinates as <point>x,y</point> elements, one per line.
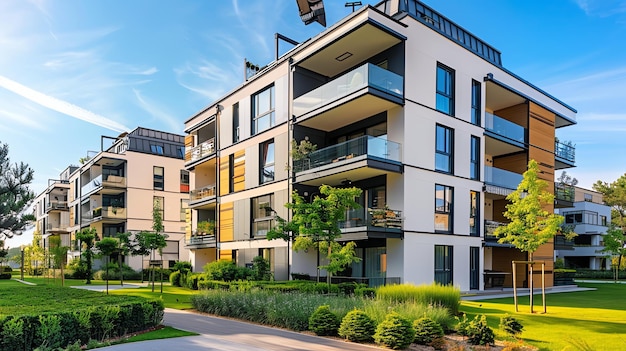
<point>27,332</point>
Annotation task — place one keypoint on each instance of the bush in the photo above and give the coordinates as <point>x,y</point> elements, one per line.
<point>191,281</point>
<point>260,269</point>
<point>300,276</point>
<point>323,322</point>
<point>175,278</point>
<point>212,284</point>
<point>479,333</point>
<point>181,266</point>
<point>114,274</point>
<point>5,275</point>
<point>426,331</point>
<point>463,325</point>
<point>158,272</point>
<point>225,270</point>
<point>433,294</point>
<point>394,332</point>
<point>349,288</point>
<point>6,269</point>
<point>511,325</point>
<point>357,326</point>
<point>365,292</point>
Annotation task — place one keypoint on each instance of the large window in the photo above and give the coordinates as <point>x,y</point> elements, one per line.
<point>444,149</point>
<point>476,103</point>
<point>474,213</point>
<point>158,204</point>
<point>443,264</point>
<point>266,163</point>
<point>158,175</point>
<point>156,149</point>
<point>235,122</point>
<point>262,215</point>
<point>443,208</point>
<point>581,217</point>
<point>263,110</point>
<point>475,158</point>
<point>445,89</point>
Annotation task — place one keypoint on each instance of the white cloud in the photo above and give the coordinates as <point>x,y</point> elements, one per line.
<point>158,112</point>
<point>61,106</point>
<point>21,119</point>
<point>602,8</point>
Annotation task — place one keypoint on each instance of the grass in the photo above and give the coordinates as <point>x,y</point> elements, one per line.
<point>426,294</point>
<point>163,333</point>
<point>172,296</point>
<point>594,318</point>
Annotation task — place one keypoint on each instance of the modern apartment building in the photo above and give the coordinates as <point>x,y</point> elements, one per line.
<point>590,218</point>
<point>402,103</point>
<point>116,190</point>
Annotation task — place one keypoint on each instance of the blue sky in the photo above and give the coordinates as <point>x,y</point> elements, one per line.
<point>71,71</point>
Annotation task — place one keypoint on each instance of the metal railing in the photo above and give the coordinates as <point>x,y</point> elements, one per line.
<point>365,75</point>
<point>490,228</point>
<point>205,239</point>
<point>201,150</point>
<point>502,178</point>
<point>365,145</point>
<point>57,205</point>
<point>502,127</point>
<point>564,192</point>
<point>373,217</point>
<point>566,151</point>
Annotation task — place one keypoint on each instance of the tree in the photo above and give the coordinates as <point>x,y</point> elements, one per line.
<point>124,249</point>
<point>615,244</point>
<point>87,238</point>
<point>147,242</point>
<point>315,225</point>
<point>34,254</point>
<point>565,178</point>
<point>108,247</point>
<point>15,196</point>
<point>531,224</point>
<point>59,255</point>
<point>614,195</point>
<point>3,252</point>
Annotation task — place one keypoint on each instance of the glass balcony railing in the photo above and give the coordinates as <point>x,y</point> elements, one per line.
<point>379,218</point>
<point>206,239</point>
<point>490,228</point>
<point>56,205</point>
<point>502,127</point>
<point>502,178</point>
<point>92,185</point>
<point>566,151</point>
<point>365,145</point>
<point>204,192</point>
<point>564,192</point>
<point>205,148</point>
<point>366,75</point>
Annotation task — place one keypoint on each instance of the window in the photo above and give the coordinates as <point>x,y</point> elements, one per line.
<point>581,217</point>
<point>443,208</point>
<point>111,230</point>
<point>444,146</point>
<point>476,103</point>
<point>588,197</point>
<point>158,177</point>
<point>474,265</point>
<point>180,152</point>
<point>184,181</point>
<point>445,90</point>
<point>158,204</point>
<point>263,110</point>
<point>262,215</point>
<point>443,264</point>
<point>266,164</point>
<point>474,213</point>
<point>603,220</point>
<point>231,173</point>
<point>184,206</point>
<point>156,149</point>
<point>236,123</point>
<point>475,158</point>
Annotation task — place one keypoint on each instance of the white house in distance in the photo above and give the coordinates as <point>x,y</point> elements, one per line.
<point>402,103</point>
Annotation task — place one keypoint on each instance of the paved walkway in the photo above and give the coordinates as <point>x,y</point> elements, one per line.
<point>508,292</point>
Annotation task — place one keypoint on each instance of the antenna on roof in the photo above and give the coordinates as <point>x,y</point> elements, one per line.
<point>353,4</point>
<point>312,11</point>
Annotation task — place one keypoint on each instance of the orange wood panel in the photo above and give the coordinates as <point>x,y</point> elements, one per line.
<point>227,222</point>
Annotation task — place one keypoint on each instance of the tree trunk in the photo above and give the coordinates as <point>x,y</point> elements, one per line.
<point>530,281</point>
<point>119,265</point>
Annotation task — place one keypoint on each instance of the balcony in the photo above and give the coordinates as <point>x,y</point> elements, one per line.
<point>355,159</point>
<point>109,184</point>
<point>201,241</point>
<point>364,91</point>
<point>57,227</point>
<point>505,130</point>
<point>373,220</point>
<point>561,243</point>
<point>563,195</point>
<point>108,214</point>
<point>490,230</point>
<point>565,154</point>
<point>57,206</point>
<point>200,151</point>
<point>204,194</point>
<point>501,182</point>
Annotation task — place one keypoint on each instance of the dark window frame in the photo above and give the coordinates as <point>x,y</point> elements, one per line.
<point>265,175</point>
<point>261,216</point>
<point>474,230</point>
<point>474,157</point>
<point>158,179</point>
<point>444,101</point>
<point>444,149</point>
<point>236,134</point>
<point>257,116</point>
<point>447,207</point>
<point>444,266</point>
<point>476,102</point>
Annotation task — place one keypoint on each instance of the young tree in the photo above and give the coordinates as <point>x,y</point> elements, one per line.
<point>87,238</point>
<point>107,248</point>
<point>59,255</point>
<point>34,254</point>
<point>315,225</point>
<point>531,225</point>
<point>615,245</point>
<point>147,242</point>
<point>15,196</point>
<point>125,248</point>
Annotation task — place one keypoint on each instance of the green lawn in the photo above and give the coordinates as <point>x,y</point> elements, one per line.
<point>173,297</point>
<point>596,319</point>
<point>163,333</point>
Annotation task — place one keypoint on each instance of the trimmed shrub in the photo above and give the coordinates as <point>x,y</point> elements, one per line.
<point>213,284</point>
<point>175,278</point>
<point>357,326</point>
<point>365,292</point>
<point>5,275</point>
<point>225,270</point>
<point>432,294</point>
<point>260,269</point>
<point>182,266</point>
<point>191,280</point>
<point>394,332</point>
<point>426,331</point>
<point>323,322</point>
<point>349,288</point>
<point>479,333</point>
<point>6,269</point>
<point>511,325</point>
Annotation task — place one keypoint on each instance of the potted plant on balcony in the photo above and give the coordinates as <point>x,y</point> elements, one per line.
<point>300,151</point>
<point>205,227</point>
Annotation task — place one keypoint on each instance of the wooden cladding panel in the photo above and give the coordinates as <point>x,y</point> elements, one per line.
<point>188,145</point>
<point>224,175</point>
<point>544,253</point>
<point>226,255</point>
<point>499,207</point>
<point>227,222</point>
<point>502,258</point>
<point>188,223</point>
<point>515,163</point>
<point>239,168</point>
<point>517,114</point>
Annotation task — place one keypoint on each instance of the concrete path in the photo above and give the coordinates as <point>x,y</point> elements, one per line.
<point>508,292</point>
<point>103,288</point>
